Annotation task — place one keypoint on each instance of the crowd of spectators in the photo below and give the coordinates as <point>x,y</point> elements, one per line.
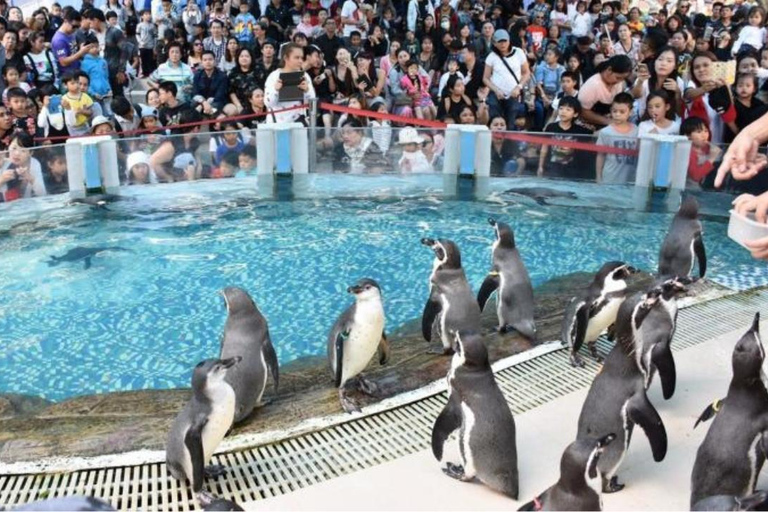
<point>605,70</point>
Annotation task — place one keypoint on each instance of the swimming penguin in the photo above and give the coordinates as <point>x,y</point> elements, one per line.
<point>617,401</point>
<point>593,311</point>
<point>514,305</point>
<point>202,424</point>
<point>72,503</point>
<point>246,334</point>
<point>84,254</point>
<point>733,451</point>
<point>580,484</point>
<point>477,407</point>
<point>657,332</point>
<point>684,242</point>
<point>354,339</point>
<point>451,302</point>
<point>757,501</point>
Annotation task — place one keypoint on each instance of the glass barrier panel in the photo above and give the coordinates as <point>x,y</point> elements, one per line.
<point>32,172</point>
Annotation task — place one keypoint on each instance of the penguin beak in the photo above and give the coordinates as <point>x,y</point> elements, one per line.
<point>429,242</point>
<point>632,270</point>
<point>232,361</point>
<point>756,323</point>
<point>354,289</point>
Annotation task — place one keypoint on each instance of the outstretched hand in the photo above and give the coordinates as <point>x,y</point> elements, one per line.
<point>741,160</point>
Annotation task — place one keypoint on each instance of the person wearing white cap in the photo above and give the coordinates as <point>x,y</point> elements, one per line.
<point>101,125</point>
<point>137,169</point>
<point>506,73</point>
<point>413,161</point>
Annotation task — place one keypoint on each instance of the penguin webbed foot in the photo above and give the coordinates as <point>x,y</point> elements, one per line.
<point>455,471</point>
<point>576,360</point>
<point>593,352</point>
<point>347,403</point>
<point>612,485</point>
<point>440,350</point>
<point>367,386</point>
<point>215,471</point>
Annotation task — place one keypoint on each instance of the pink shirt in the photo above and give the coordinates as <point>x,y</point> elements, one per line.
<point>596,91</point>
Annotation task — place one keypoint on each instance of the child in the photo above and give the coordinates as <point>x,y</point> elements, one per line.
<point>97,70</point>
<point>306,27</point>
<point>146,36</point>
<point>581,23</point>
<point>228,166</point>
<point>752,34</point>
<point>22,121</point>
<point>50,120</point>
<point>77,105</point>
<point>243,27</point>
<point>11,77</point>
<point>246,162</point>
<point>413,161</point>
<point>703,154</point>
<point>412,44</point>
<point>417,87</point>
<point>56,181</point>
<point>659,117</point>
<point>453,69</point>
<point>569,86</point>
<point>547,75</point>
<point>230,142</point>
<point>137,169</point>
<point>748,107</point>
<point>620,134</point>
<point>561,161</point>
<point>381,128</point>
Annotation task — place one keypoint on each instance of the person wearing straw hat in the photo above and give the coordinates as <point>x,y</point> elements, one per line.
<point>413,161</point>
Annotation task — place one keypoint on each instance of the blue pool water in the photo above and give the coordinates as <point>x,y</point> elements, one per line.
<point>143,319</point>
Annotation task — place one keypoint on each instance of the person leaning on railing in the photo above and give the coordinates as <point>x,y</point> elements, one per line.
<point>744,162</point>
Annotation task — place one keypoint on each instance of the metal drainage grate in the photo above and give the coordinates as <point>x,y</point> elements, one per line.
<point>286,466</point>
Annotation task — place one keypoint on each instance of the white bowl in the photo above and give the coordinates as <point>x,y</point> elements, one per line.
<point>742,228</point>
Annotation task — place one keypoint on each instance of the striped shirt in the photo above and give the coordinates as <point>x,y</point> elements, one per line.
<point>181,75</point>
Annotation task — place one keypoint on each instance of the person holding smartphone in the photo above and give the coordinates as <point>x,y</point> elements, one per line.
<point>292,61</point>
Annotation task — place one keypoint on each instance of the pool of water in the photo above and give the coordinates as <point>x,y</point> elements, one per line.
<point>142,317</point>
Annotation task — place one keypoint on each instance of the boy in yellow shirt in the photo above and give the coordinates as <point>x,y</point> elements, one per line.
<point>77,106</point>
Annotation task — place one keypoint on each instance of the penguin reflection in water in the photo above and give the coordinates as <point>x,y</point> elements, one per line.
<point>451,306</point>
<point>617,400</point>
<point>580,484</point>
<point>514,304</point>
<point>477,408</point>
<point>595,310</point>
<point>355,338</point>
<point>201,425</point>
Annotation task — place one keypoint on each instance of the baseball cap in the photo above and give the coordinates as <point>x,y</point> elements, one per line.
<point>500,35</point>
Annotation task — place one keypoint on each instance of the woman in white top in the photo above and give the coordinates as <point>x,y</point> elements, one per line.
<point>506,73</point>
<point>292,61</point>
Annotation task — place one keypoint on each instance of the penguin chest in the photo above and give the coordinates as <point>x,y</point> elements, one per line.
<point>220,420</point>
<point>603,319</point>
<point>363,340</point>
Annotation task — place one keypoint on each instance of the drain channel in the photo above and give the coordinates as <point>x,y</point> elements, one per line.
<point>283,467</point>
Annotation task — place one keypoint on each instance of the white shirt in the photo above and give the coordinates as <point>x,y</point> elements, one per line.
<point>753,36</point>
<point>348,11</point>
<point>649,126</point>
<point>501,77</point>
<point>272,100</point>
<point>413,15</point>
<point>581,24</point>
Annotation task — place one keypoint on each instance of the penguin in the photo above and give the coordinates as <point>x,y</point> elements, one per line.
<point>593,311</point>
<point>684,242</point>
<point>451,302</point>
<point>657,332</point>
<point>757,501</point>
<point>246,334</point>
<point>514,305</point>
<point>477,408</point>
<point>214,503</point>
<point>355,338</point>
<point>580,484</point>
<point>202,424</point>
<point>617,399</point>
<point>733,451</point>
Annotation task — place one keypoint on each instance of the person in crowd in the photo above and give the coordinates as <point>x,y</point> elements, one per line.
<point>506,73</point>
<point>704,154</point>
<point>659,117</point>
<point>358,154</point>
<point>292,62</point>
<point>209,86</point>
<point>618,168</point>
<point>709,98</point>
<point>174,70</point>
<point>559,160</point>
<point>597,94</point>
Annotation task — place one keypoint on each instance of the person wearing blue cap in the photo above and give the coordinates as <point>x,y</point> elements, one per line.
<point>506,73</point>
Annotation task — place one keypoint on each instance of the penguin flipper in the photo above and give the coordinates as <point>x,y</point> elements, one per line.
<point>431,309</point>
<point>490,285</point>
<point>757,501</point>
<point>383,349</point>
<point>193,440</point>
<point>642,413</point>
<point>710,411</point>
<point>339,359</point>
<point>665,363</point>
<point>270,357</point>
<point>581,322</point>
<point>701,254</point>
<point>446,423</point>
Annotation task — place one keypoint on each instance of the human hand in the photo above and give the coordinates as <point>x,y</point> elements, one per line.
<point>303,85</point>
<point>319,79</point>
<point>85,48</point>
<point>747,203</point>
<point>278,84</point>
<point>24,174</point>
<point>643,74</point>
<point>65,103</point>
<point>741,160</point>
<point>46,101</point>
<point>758,248</point>
<point>516,92</point>
<point>7,175</point>
<point>670,84</point>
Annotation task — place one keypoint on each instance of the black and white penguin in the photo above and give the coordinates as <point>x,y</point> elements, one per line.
<point>684,243</point>
<point>580,486</point>
<point>514,304</point>
<point>246,334</point>
<point>757,501</point>
<point>451,302</point>
<point>202,424</point>
<point>593,311</point>
<point>657,332</point>
<point>617,400</point>
<point>733,451</point>
<point>477,407</point>
<point>354,339</point>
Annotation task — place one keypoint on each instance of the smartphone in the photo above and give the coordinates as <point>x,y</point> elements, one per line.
<point>708,32</point>
<point>642,68</point>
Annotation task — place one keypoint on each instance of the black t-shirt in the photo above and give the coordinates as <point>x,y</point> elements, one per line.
<point>329,47</point>
<point>169,116</point>
<point>745,116</point>
<point>565,161</point>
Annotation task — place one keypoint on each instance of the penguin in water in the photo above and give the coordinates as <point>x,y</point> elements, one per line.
<point>593,311</point>
<point>580,484</point>
<point>355,338</point>
<point>202,424</point>
<point>757,501</point>
<point>451,302</point>
<point>477,407</point>
<point>246,334</point>
<point>617,401</point>
<point>657,332</point>
<point>514,305</point>
<point>733,451</point>
<point>684,242</point>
